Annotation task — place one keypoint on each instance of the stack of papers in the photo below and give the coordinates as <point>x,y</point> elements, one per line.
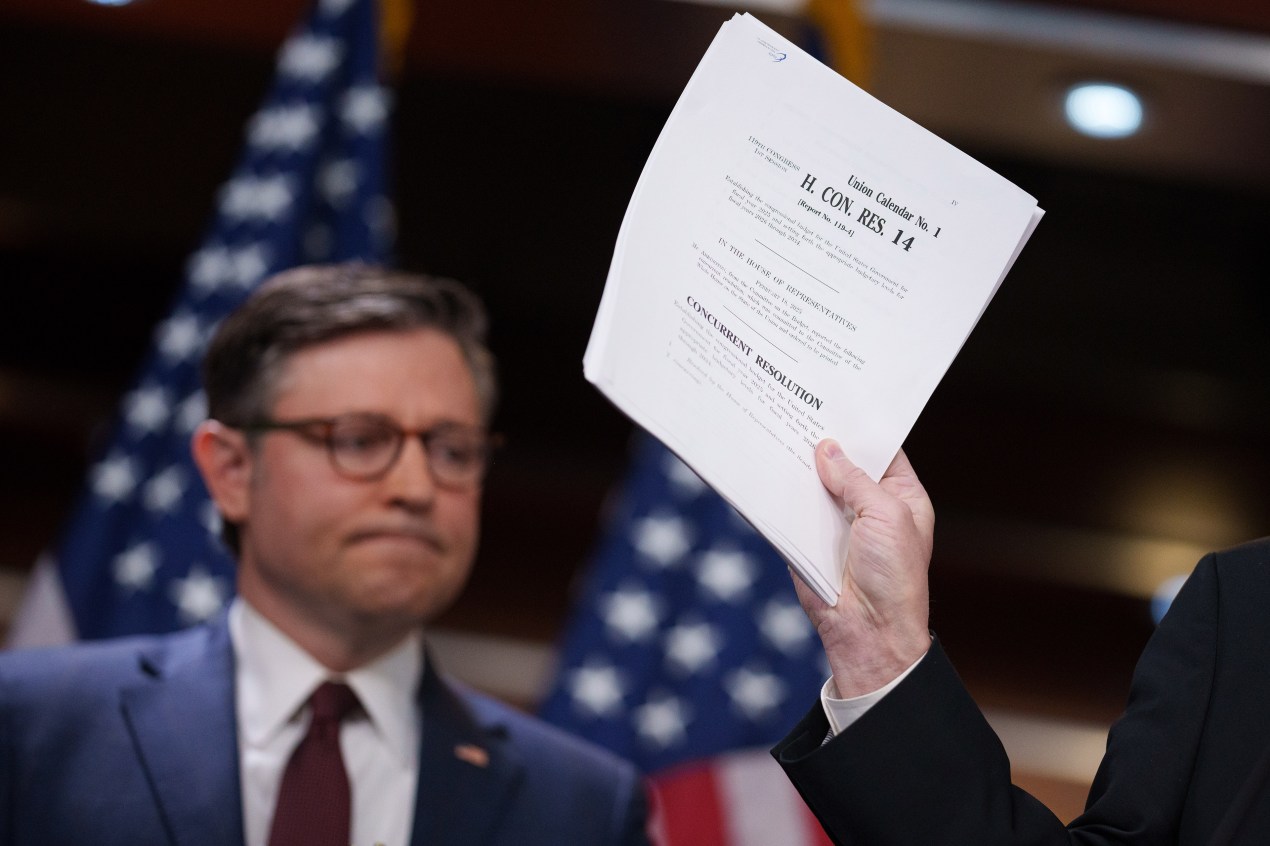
<point>798,261</point>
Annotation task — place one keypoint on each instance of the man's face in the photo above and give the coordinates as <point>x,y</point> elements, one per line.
<point>321,549</point>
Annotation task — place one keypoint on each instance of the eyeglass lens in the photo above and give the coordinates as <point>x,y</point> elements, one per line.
<point>366,446</point>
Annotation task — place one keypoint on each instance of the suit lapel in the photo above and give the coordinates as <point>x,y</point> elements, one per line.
<point>468,773</point>
<point>182,722</point>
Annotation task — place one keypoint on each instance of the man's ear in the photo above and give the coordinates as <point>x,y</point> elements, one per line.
<point>224,459</point>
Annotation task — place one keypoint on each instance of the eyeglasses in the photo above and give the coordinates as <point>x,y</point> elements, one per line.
<point>364,447</point>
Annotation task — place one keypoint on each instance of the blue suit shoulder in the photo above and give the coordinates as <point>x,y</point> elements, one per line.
<point>152,717</point>
<point>81,671</point>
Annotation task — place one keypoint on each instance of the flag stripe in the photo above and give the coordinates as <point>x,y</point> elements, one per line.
<point>739,799</point>
<point>763,807</point>
<point>43,618</point>
<point>689,809</point>
<point>813,832</point>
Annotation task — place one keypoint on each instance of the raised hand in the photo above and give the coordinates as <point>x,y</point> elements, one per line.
<point>879,626</point>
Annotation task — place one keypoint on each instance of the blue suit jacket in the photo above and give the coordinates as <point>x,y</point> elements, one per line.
<point>133,742</point>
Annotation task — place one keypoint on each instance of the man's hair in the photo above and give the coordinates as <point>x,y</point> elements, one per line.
<point>311,305</point>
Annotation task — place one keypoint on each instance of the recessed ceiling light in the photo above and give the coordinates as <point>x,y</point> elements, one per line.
<point>110,2</point>
<point>1103,109</point>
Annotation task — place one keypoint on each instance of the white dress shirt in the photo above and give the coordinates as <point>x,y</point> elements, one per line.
<point>273,680</point>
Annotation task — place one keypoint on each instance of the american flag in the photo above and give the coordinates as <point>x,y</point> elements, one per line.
<point>690,655</point>
<point>140,553</point>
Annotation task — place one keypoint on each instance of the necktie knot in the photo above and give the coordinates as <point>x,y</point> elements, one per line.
<point>332,701</point>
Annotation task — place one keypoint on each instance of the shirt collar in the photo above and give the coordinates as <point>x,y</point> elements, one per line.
<point>275,676</point>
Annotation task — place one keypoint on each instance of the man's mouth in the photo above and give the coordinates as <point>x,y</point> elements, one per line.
<point>424,535</point>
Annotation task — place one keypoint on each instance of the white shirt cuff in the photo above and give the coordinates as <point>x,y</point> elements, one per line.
<point>841,713</point>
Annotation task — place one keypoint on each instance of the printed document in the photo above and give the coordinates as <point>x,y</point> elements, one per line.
<point>798,261</point>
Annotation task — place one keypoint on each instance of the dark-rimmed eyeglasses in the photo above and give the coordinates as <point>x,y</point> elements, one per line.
<point>364,446</point>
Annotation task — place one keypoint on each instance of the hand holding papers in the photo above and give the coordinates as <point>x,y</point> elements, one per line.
<point>798,261</point>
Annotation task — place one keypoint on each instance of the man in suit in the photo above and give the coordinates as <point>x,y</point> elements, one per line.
<point>896,752</point>
<point>345,448</point>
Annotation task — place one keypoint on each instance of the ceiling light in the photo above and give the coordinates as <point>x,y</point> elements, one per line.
<point>1103,110</point>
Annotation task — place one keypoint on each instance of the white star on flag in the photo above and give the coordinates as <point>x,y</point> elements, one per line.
<point>199,596</point>
<point>292,127</point>
<point>179,337</point>
<point>262,197</point>
<point>164,490</point>
<point>786,626</point>
<point>146,409</point>
<point>726,574</point>
<point>210,517</point>
<point>115,478</point>
<point>191,412</point>
<point>310,58</point>
<point>664,539</point>
<point>250,263</point>
<point>691,646</point>
<point>630,613</point>
<point>210,267</point>
<point>218,265</point>
<point>134,568</point>
<point>338,181</point>
<point>662,720</point>
<point>755,693</point>
<point>365,108</point>
<point>597,688</point>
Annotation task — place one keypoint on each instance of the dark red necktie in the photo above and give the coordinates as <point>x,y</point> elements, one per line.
<point>314,804</point>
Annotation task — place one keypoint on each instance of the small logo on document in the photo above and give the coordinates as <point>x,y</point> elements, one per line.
<point>773,53</point>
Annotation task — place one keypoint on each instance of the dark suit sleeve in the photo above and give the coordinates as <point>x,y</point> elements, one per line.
<point>923,766</point>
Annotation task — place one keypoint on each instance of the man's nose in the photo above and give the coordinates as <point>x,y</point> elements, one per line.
<point>410,479</point>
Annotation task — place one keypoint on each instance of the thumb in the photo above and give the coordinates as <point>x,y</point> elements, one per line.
<point>841,477</point>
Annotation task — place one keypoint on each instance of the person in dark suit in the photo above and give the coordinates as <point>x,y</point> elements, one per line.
<point>345,448</point>
<point>897,752</point>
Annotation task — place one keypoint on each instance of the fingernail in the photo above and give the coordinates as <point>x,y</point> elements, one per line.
<point>833,451</point>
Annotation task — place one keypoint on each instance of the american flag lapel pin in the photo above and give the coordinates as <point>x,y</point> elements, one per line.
<point>474,755</point>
